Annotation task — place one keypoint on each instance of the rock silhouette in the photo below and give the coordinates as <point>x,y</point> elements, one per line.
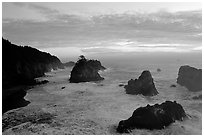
<point>197,97</point>
<point>86,70</point>
<point>13,98</point>
<point>190,77</point>
<point>20,66</point>
<point>69,64</point>
<point>158,70</point>
<point>173,86</point>
<point>144,85</point>
<point>153,117</point>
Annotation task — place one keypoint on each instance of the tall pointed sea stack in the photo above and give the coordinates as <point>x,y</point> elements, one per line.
<point>144,85</point>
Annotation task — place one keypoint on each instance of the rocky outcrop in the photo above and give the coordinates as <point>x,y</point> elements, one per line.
<point>153,117</point>
<point>173,86</point>
<point>190,77</point>
<point>199,97</point>
<point>20,66</point>
<point>69,64</point>
<point>144,85</point>
<point>158,70</point>
<point>13,98</point>
<point>86,71</point>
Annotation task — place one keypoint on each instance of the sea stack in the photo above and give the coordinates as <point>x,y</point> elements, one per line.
<point>69,64</point>
<point>153,117</point>
<point>158,70</point>
<point>144,85</point>
<point>190,77</point>
<point>86,70</point>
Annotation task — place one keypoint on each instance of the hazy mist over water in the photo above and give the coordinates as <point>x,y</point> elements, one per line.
<point>147,59</point>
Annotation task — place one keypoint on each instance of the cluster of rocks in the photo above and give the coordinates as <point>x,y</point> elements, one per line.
<point>149,117</point>
<point>159,116</point>
<point>21,65</point>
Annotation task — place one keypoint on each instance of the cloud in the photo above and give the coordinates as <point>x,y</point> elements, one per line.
<point>118,49</point>
<point>125,46</point>
<point>183,21</point>
<point>160,21</point>
<point>20,4</point>
<point>159,31</point>
<point>55,15</point>
<point>198,48</point>
<point>43,10</point>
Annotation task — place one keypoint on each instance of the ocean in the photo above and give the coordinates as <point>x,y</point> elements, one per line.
<point>119,72</point>
<point>95,108</point>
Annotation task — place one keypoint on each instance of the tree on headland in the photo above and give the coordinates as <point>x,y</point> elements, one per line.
<point>82,57</point>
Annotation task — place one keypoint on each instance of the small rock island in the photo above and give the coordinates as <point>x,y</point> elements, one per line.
<point>144,85</point>
<point>190,77</point>
<point>86,70</point>
<point>153,117</point>
<point>69,64</point>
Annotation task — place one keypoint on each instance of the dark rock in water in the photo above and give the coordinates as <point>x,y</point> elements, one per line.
<point>69,64</point>
<point>86,70</point>
<point>158,70</point>
<point>144,85</point>
<point>173,86</point>
<point>121,85</point>
<point>197,97</point>
<point>41,82</point>
<point>190,77</point>
<point>153,117</point>
<point>100,85</point>
<point>62,87</point>
<point>13,98</point>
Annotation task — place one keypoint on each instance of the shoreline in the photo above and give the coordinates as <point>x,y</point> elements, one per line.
<point>82,109</point>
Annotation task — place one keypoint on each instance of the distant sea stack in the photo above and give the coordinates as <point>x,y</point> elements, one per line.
<point>69,64</point>
<point>86,70</point>
<point>190,77</point>
<point>158,70</point>
<point>153,117</point>
<point>144,85</point>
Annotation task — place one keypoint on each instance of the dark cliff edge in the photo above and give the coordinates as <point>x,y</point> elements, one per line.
<point>20,66</point>
<point>86,70</point>
<point>190,77</point>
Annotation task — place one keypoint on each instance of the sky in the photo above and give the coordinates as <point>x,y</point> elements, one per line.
<point>70,29</point>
